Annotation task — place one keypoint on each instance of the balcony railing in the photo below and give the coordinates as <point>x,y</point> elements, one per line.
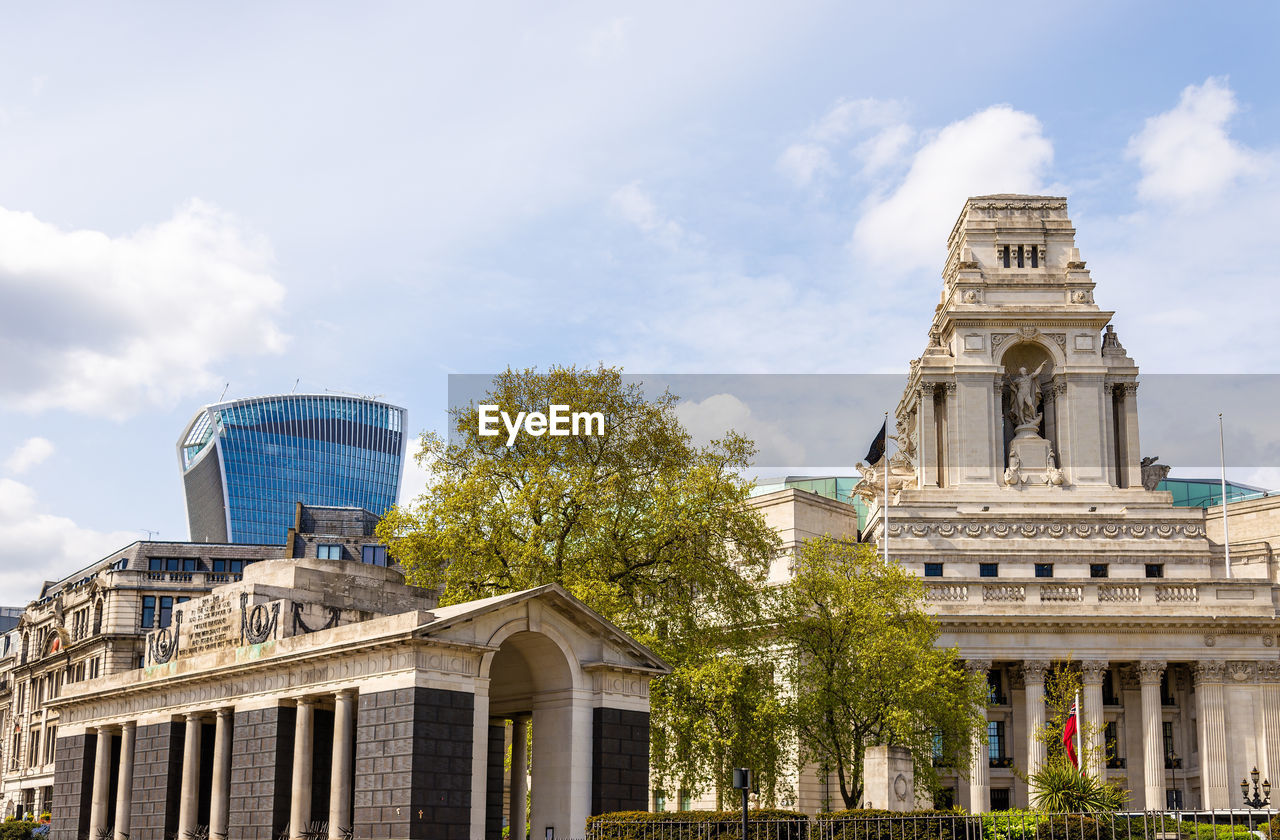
<point>1115,763</point>
<point>1232,594</point>
<point>1001,762</point>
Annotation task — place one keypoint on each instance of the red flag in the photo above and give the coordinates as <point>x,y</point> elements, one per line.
<point>1069,738</point>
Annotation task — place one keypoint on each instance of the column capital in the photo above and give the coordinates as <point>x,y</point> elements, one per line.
<point>1033,670</point>
<point>977,666</point>
<point>129,726</point>
<point>194,717</point>
<point>346,694</point>
<point>303,702</point>
<point>226,713</point>
<point>1150,671</point>
<point>1210,671</point>
<point>1269,671</point>
<point>1092,670</point>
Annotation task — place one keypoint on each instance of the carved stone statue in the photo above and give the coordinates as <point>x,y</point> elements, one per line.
<point>1026,396</point>
<point>1153,473</point>
<point>1013,474</point>
<point>1053,475</point>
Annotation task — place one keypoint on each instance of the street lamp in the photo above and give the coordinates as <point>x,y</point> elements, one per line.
<point>1256,801</point>
<point>1174,763</point>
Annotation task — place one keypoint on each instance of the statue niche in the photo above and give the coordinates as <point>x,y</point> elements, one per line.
<point>1029,455</point>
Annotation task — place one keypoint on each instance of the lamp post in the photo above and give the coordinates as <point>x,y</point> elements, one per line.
<point>1174,761</point>
<point>1256,801</point>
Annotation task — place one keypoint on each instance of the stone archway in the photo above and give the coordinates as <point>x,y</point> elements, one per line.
<point>534,681</point>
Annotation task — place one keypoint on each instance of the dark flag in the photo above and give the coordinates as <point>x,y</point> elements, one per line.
<point>876,452</point>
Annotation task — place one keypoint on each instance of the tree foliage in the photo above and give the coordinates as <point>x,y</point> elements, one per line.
<point>866,670</point>
<point>1058,786</point>
<point>649,529</point>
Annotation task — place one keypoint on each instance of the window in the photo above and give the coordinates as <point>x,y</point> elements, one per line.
<point>374,555</point>
<point>686,801</point>
<point>166,610</point>
<point>173,564</point>
<point>49,743</point>
<point>1166,729</point>
<point>1044,570</point>
<point>329,551</point>
<point>933,570</point>
<point>945,800</point>
<point>1166,691</point>
<point>995,742</point>
<point>999,799</point>
<point>148,611</point>
<point>995,690</point>
<point>230,567</point>
<point>988,570</point>
<point>1109,697</point>
<point>1111,739</point>
<point>33,754</point>
<point>937,748</point>
<point>1155,570</point>
<point>1099,570</point>
<point>659,800</point>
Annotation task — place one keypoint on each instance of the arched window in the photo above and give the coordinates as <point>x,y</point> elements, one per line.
<point>98,609</point>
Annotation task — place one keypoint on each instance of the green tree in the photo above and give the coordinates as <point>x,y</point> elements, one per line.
<point>866,669</point>
<point>1059,786</point>
<point>649,529</point>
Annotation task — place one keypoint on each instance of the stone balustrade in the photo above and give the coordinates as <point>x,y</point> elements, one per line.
<point>1224,595</point>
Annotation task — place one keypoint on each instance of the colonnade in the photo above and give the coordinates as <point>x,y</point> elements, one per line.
<point>1209,743</point>
<point>192,783</point>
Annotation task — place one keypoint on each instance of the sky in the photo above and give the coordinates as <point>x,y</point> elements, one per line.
<point>370,197</point>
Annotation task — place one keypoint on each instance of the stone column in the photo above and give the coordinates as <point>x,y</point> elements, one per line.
<point>1152,735</point>
<point>343,763</point>
<point>1095,746</point>
<point>1132,459</point>
<point>979,767</point>
<point>519,776</point>
<point>189,804</point>
<point>1212,723</point>
<point>1269,677</point>
<point>303,749</point>
<point>124,787</point>
<point>1033,675</point>
<point>928,438</point>
<point>220,798</point>
<point>101,801</point>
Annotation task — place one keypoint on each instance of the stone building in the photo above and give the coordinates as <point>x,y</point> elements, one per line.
<point>91,624</point>
<point>319,697</point>
<point>1017,493</point>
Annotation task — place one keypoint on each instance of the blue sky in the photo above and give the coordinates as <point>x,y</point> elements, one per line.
<point>372,196</point>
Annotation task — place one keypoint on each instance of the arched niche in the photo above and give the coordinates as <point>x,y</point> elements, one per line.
<point>1020,358</point>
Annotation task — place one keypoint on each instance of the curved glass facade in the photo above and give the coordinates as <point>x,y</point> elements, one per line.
<point>246,463</point>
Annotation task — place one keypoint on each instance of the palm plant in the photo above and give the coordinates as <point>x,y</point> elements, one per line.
<point>1061,788</point>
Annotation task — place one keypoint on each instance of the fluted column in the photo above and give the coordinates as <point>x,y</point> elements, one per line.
<point>124,787</point>
<point>303,751</point>
<point>979,766</point>
<point>1094,724</point>
<point>220,799</point>
<point>1033,676</point>
<point>1149,674</point>
<point>1269,676</point>
<point>1211,720</point>
<point>519,777</point>
<point>189,804</point>
<point>101,801</point>
<point>343,760</point>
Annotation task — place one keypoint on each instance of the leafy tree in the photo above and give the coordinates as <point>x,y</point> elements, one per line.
<point>866,670</point>
<point>650,530</point>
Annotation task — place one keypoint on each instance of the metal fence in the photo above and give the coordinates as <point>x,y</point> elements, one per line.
<point>1011,825</point>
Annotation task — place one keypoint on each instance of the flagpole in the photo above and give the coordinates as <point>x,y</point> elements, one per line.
<point>885,517</point>
<point>1079,753</point>
<point>1222,459</point>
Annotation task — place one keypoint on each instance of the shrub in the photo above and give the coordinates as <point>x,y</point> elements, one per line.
<point>1036,825</point>
<point>878,824</point>
<point>766,824</point>
<point>1061,788</point>
<point>17,829</point>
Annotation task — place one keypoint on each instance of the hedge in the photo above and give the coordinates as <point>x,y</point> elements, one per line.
<point>699,825</point>
<point>12,829</point>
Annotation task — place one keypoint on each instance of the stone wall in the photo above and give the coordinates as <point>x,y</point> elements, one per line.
<point>73,786</point>
<point>157,781</point>
<point>261,772</point>
<point>495,782</point>
<point>413,765</point>
<point>619,760</point>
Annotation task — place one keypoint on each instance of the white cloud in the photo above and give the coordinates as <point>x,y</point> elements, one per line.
<point>414,481</point>
<point>36,546</point>
<point>709,419</point>
<point>609,39</point>
<point>1185,153</point>
<point>635,206</point>
<point>802,161</point>
<point>29,453</point>
<point>873,128</point>
<point>998,150</point>
<point>106,325</point>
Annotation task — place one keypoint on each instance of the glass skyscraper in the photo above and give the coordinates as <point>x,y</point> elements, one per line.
<point>246,463</point>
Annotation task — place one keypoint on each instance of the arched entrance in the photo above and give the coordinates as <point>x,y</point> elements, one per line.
<point>535,683</point>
